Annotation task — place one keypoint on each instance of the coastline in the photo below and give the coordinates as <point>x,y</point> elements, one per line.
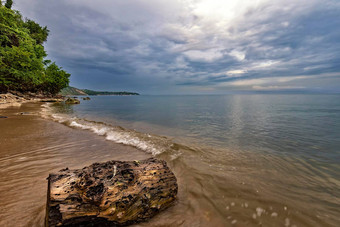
<point>15,100</point>
<point>32,147</point>
<point>218,189</point>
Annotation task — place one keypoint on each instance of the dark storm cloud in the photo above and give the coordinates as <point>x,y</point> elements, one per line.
<point>190,46</point>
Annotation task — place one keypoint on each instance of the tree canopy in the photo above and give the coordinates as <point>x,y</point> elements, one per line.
<point>22,64</point>
<point>9,4</point>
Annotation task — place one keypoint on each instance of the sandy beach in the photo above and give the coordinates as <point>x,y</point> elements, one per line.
<point>216,187</point>
<point>31,148</point>
<point>169,113</point>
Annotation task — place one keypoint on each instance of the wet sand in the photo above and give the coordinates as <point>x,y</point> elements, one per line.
<point>215,188</point>
<point>31,148</point>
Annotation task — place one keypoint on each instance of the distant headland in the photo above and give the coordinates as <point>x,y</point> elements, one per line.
<point>76,91</point>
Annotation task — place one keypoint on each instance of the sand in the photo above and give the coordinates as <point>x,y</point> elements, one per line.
<point>31,148</point>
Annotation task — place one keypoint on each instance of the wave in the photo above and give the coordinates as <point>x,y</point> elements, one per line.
<point>152,144</point>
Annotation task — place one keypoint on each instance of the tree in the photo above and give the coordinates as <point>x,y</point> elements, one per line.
<point>22,64</point>
<point>37,32</point>
<point>9,4</point>
<point>55,78</point>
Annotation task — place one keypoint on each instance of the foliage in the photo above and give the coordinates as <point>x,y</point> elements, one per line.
<point>36,31</point>
<point>72,91</point>
<point>90,92</point>
<point>22,64</point>
<point>9,4</point>
<point>76,91</point>
<point>55,79</point>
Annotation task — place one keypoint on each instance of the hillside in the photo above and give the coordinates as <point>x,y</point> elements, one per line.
<point>76,91</point>
<point>72,91</point>
<point>91,92</point>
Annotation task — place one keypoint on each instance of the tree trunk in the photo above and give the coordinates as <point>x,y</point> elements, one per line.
<point>113,193</point>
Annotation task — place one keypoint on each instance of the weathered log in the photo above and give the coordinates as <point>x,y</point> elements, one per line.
<point>113,193</point>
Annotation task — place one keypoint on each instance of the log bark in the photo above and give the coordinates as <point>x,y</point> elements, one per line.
<point>113,193</point>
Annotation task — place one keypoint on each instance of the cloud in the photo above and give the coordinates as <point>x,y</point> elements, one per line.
<point>239,55</point>
<point>159,45</point>
<point>203,56</point>
<point>271,88</point>
<point>279,83</point>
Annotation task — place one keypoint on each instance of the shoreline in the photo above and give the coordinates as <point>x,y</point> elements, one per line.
<point>31,147</point>
<point>16,100</point>
<point>38,146</point>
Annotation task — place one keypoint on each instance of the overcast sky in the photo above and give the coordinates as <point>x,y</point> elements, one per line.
<point>193,46</point>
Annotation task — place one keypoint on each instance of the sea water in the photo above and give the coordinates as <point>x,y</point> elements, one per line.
<point>247,159</point>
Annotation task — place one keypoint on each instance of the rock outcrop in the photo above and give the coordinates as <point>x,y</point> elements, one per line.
<point>113,193</point>
<point>72,101</point>
<point>17,98</point>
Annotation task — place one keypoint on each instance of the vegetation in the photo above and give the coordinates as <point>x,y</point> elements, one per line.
<point>90,92</point>
<point>9,4</point>
<point>76,91</point>
<point>22,64</point>
<point>72,91</point>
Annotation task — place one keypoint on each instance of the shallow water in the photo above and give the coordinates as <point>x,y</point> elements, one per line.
<point>240,160</point>
<point>30,149</point>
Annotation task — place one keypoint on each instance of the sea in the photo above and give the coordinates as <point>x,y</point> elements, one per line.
<point>240,160</point>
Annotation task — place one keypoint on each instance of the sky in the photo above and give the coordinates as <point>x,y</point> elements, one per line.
<point>193,46</point>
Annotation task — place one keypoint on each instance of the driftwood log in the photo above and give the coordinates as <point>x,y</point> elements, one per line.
<point>113,193</point>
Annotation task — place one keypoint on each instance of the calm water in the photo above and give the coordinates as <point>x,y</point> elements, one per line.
<point>293,125</point>
<point>240,159</point>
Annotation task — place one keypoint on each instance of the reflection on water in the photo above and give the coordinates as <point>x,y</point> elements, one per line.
<point>277,154</point>
<point>241,160</point>
<point>300,124</point>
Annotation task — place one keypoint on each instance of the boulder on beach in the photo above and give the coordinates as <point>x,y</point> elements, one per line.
<point>114,193</point>
<point>72,101</point>
<point>86,98</point>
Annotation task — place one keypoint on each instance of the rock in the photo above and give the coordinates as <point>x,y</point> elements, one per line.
<point>72,101</point>
<point>86,98</point>
<point>50,100</point>
<point>17,93</point>
<point>113,193</point>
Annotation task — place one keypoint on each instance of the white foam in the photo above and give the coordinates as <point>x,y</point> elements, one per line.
<point>128,139</point>
<point>151,144</point>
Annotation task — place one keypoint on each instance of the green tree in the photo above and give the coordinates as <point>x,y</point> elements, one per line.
<point>37,32</point>
<point>22,64</point>
<point>9,4</point>
<point>55,79</point>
